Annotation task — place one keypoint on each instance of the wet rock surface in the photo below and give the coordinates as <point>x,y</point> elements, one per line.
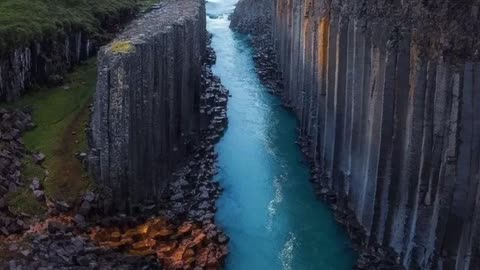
<point>385,96</point>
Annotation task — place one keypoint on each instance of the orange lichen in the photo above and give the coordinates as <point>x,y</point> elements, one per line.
<point>176,247</point>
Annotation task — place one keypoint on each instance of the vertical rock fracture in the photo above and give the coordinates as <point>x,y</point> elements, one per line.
<point>387,94</point>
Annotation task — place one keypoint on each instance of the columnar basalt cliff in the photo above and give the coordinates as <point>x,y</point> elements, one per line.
<point>387,94</point>
<point>147,115</point>
<point>48,60</point>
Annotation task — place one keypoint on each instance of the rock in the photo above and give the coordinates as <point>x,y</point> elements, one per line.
<point>85,260</point>
<point>62,206</point>
<point>26,252</point>
<point>145,244</point>
<point>12,187</point>
<point>80,221</point>
<point>85,208</point>
<point>38,158</point>
<point>89,196</point>
<point>4,231</point>
<point>54,227</point>
<point>2,202</point>
<point>36,185</point>
<point>176,197</point>
<point>222,238</point>
<point>39,195</point>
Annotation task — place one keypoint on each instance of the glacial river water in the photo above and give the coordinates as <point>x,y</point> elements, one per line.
<point>268,207</point>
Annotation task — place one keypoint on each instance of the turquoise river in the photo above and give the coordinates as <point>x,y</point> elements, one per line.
<point>268,207</point>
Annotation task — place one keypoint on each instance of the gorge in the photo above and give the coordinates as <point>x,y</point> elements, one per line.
<point>240,134</point>
<point>386,93</point>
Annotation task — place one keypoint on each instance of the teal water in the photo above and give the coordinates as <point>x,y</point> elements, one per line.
<point>268,207</point>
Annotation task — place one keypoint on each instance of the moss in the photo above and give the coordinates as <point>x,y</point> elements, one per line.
<point>23,201</point>
<point>22,21</point>
<point>60,114</point>
<point>122,47</point>
<point>31,170</point>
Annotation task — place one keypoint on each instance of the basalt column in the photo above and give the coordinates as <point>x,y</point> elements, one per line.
<point>388,96</point>
<point>146,117</point>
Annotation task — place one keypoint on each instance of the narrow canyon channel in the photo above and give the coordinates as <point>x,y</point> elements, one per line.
<point>268,207</point>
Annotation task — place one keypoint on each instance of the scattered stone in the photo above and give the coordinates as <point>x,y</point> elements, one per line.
<point>38,158</point>
<point>85,208</point>
<point>36,185</point>
<point>80,221</point>
<point>39,195</point>
<point>62,206</point>
<point>56,227</point>
<point>89,196</point>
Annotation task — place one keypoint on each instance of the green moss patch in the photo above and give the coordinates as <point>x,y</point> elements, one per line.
<point>23,202</point>
<point>22,21</point>
<point>61,114</point>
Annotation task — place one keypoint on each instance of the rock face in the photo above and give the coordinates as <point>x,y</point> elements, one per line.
<point>46,61</point>
<point>41,62</point>
<point>147,115</point>
<point>387,94</point>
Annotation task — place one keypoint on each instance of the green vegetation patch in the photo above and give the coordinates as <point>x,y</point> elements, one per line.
<point>22,21</point>
<point>23,200</point>
<point>61,114</point>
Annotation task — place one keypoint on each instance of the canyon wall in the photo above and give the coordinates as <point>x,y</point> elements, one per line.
<point>387,94</point>
<point>148,114</point>
<point>49,59</point>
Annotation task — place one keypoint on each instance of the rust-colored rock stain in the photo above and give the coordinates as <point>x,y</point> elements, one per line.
<point>187,246</point>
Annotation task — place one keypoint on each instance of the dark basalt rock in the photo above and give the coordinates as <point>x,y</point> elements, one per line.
<point>147,114</point>
<point>64,251</point>
<point>13,123</point>
<point>386,97</point>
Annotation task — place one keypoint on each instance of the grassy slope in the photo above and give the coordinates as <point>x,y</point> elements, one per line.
<point>22,21</point>
<point>60,115</point>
